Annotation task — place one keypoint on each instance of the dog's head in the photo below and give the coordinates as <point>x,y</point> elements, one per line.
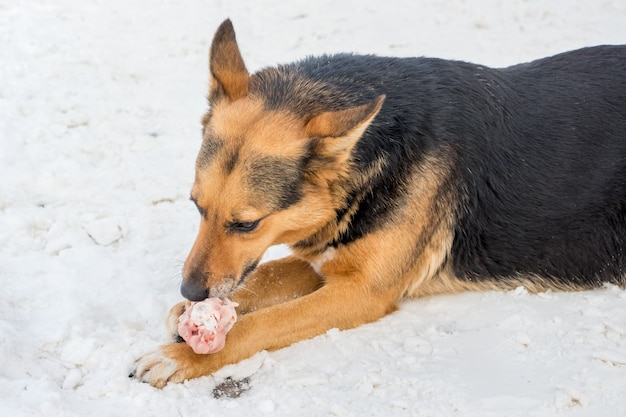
<point>265,174</point>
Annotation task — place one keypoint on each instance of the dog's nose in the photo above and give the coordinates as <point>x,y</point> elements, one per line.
<point>194,291</point>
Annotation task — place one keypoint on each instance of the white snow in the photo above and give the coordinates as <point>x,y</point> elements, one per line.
<point>100,103</point>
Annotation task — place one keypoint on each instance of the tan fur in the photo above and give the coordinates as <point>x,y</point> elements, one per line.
<point>228,71</point>
<point>251,132</point>
<point>341,130</point>
<point>276,282</point>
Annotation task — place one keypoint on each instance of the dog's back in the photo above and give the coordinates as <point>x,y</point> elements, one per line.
<point>537,151</point>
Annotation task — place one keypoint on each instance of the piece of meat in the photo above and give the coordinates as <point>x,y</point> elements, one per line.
<point>204,324</point>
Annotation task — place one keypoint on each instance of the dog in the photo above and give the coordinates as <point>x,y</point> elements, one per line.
<point>392,178</point>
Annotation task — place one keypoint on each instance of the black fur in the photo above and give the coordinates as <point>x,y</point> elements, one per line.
<point>549,172</point>
<point>538,153</point>
<point>279,194</point>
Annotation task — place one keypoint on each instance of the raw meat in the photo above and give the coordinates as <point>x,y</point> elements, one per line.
<point>204,324</point>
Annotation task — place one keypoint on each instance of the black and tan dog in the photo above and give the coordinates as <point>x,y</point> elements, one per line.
<point>397,177</point>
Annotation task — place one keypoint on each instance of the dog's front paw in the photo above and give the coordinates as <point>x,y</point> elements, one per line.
<point>171,322</point>
<point>157,368</point>
<point>176,362</point>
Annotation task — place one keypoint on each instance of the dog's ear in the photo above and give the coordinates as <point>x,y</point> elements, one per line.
<point>340,130</point>
<point>228,74</point>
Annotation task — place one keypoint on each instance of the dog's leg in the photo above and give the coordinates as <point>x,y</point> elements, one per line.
<point>345,302</point>
<point>271,283</point>
<point>275,282</point>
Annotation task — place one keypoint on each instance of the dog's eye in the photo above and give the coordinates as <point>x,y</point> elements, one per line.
<point>244,227</point>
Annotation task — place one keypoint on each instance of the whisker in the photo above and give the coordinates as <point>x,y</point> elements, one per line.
<point>244,288</point>
<point>173,271</point>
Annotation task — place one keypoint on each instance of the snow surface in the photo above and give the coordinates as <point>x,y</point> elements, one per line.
<point>100,103</point>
